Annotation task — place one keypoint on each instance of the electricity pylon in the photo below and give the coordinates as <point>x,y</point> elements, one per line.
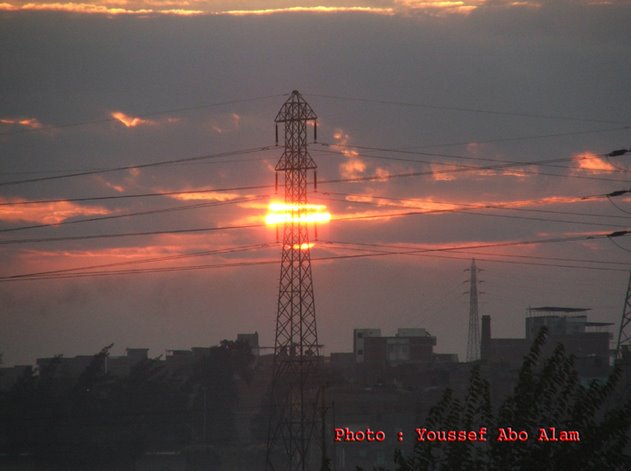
<point>624,334</point>
<point>296,351</point>
<point>473,340</point>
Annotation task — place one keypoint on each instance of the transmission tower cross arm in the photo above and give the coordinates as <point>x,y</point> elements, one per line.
<point>295,114</point>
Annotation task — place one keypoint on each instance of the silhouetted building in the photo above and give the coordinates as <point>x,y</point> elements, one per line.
<point>252,340</point>
<point>68,368</point>
<point>359,342</point>
<point>407,346</point>
<point>9,376</point>
<point>587,341</point>
<point>122,365</point>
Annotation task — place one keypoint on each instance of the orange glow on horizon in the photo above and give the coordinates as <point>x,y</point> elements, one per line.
<point>281,213</point>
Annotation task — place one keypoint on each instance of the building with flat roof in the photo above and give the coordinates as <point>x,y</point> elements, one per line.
<point>359,342</point>
<point>586,340</point>
<point>409,345</point>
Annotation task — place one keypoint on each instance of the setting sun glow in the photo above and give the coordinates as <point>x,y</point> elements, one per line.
<point>280,213</point>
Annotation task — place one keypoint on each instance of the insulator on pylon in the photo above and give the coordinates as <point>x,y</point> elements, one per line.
<point>315,131</point>
<point>315,231</point>
<point>277,134</point>
<point>276,183</point>
<point>315,181</point>
<point>277,238</point>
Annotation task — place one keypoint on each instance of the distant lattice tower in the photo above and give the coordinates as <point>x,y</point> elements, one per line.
<point>624,334</point>
<point>296,351</point>
<point>473,339</point>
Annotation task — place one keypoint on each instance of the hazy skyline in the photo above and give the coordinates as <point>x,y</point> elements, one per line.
<point>496,85</point>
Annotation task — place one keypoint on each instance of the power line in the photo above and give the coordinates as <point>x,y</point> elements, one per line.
<point>138,166</point>
<point>464,211</point>
<point>476,253</point>
<point>229,250</point>
<point>140,195</point>
<point>224,189</point>
<point>336,257</point>
<point>141,271</point>
<point>465,206</point>
<point>143,115</point>
<point>479,141</point>
<point>48,172</point>
<point>128,234</point>
<point>513,262</point>
<point>471,212</point>
<point>617,206</point>
<point>547,163</point>
<point>212,229</point>
<point>462,167</point>
<point>339,180</point>
<point>466,110</point>
<point>139,213</point>
<point>520,138</point>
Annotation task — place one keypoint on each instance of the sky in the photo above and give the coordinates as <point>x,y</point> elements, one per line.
<point>155,119</point>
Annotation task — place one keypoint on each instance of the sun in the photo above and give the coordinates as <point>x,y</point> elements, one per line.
<point>282,213</point>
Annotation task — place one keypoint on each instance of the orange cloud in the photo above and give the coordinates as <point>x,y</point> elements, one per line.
<point>591,162</point>
<point>229,124</point>
<point>32,123</point>
<point>314,9</point>
<point>108,184</point>
<point>438,207</point>
<point>166,250</point>
<point>360,198</point>
<point>46,213</point>
<point>532,5</point>
<point>442,172</point>
<point>180,252</point>
<point>382,173</point>
<point>129,179</point>
<point>271,7</point>
<point>130,121</point>
<point>354,166</point>
<point>425,204</point>
<point>92,9</point>
<point>206,196</point>
<point>549,200</point>
<point>441,6</point>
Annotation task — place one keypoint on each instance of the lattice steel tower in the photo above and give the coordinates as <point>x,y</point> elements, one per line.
<point>624,334</point>
<point>296,350</point>
<point>473,341</point>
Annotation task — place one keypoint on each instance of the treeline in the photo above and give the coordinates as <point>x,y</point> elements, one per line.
<point>548,393</point>
<point>99,420</point>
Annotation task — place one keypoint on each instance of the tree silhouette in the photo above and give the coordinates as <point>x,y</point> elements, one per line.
<point>548,393</point>
<point>214,382</point>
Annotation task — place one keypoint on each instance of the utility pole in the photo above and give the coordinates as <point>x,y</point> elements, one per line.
<point>296,350</point>
<point>473,340</point>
